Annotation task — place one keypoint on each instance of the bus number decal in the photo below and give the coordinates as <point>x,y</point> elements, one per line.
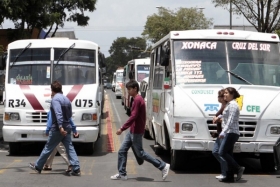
<point>83,103</point>
<point>16,103</point>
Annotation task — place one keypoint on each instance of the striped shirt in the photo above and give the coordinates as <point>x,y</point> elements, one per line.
<point>230,122</point>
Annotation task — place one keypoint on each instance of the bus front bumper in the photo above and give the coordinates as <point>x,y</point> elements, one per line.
<point>38,134</point>
<point>207,145</point>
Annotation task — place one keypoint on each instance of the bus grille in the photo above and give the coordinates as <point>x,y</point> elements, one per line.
<point>246,128</point>
<point>36,117</point>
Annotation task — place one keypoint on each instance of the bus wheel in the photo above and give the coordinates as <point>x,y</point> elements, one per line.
<point>88,148</point>
<point>177,159</point>
<point>14,148</point>
<point>267,162</point>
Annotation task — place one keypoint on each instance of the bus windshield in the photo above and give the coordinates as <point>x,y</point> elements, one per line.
<point>142,72</point>
<point>206,62</point>
<point>77,66</point>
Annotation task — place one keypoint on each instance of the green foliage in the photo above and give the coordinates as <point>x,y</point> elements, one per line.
<point>123,50</point>
<point>30,14</point>
<point>263,15</point>
<point>159,25</point>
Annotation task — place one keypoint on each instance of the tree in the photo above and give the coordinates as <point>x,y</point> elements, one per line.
<point>263,15</point>
<point>30,14</point>
<point>159,25</point>
<point>123,50</point>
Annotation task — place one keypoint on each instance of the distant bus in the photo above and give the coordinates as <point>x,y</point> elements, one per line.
<point>119,84</point>
<point>136,69</point>
<point>31,66</point>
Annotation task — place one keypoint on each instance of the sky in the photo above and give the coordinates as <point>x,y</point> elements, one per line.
<point>127,18</point>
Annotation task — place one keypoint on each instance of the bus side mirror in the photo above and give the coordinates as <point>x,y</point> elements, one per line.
<point>164,61</point>
<point>130,75</point>
<point>101,58</point>
<point>3,61</point>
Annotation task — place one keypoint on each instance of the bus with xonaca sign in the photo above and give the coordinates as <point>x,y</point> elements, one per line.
<point>31,66</point>
<point>187,70</point>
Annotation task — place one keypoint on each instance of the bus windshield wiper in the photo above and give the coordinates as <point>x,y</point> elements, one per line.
<point>63,53</point>
<point>239,77</point>
<point>20,53</point>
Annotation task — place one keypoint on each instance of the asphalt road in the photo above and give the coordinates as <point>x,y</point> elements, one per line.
<point>97,168</point>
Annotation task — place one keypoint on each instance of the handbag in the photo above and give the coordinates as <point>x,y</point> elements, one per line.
<point>276,153</point>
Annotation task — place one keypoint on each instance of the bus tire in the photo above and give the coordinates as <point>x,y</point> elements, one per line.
<point>267,162</point>
<point>89,148</point>
<point>14,148</point>
<point>177,159</point>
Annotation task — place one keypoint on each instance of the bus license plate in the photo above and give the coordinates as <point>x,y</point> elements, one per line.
<point>237,148</point>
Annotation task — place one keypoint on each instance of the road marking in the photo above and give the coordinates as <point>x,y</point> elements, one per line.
<point>110,142</point>
<point>91,167</point>
<point>131,167</point>
<point>9,165</point>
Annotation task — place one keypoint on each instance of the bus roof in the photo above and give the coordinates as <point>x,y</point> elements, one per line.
<point>56,43</point>
<point>140,61</point>
<point>220,34</point>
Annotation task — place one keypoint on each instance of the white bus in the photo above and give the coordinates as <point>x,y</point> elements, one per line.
<point>118,87</point>
<point>136,69</point>
<point>31,66</point>
<point>187,70</point>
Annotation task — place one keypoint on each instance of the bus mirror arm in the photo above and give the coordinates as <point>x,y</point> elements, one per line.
<point>98,103</point>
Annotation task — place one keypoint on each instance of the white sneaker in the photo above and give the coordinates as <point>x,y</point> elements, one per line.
<point>165,171</point>
<point>119,177</point>
<point>220,177</point>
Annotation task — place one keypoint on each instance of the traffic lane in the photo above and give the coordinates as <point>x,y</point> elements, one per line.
<point>201,163</point>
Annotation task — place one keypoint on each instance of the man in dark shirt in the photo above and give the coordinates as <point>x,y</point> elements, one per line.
<point>136,123</point>
<point>61,111</point>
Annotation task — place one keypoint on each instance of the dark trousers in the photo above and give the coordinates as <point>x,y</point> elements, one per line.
<point>226,150</point>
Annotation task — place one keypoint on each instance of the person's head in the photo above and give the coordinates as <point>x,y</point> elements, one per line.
<point>230,94</point>
<point>56,87</point>
<point>221,96</point>
<point>132,87</point>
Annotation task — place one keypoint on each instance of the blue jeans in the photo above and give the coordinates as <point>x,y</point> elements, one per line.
<point>53,140</point>
<point>135,140</point>
<point>226,150</point>
<point>215,153</point>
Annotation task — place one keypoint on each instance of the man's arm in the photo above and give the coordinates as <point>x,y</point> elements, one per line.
<point>49,123</point>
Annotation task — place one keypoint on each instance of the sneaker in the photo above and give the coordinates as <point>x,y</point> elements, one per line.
<point>119,177</point>
<point>240,173</point>
<point>165,171</point>
<point>33,167</point>
<point>220,177</point>
<point>76,172</point>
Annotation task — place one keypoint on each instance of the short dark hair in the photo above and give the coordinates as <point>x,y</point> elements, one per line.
<point>132,84</point>
<point>56,87</point>
<point>233,92</point>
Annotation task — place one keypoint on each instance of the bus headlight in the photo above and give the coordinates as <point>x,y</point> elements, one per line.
<point>89,117</point>
<point>12,116</point>
<point>275,130</point>
<point>187,127</point>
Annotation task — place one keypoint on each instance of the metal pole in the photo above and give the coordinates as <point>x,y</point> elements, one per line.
<point>230,15</point>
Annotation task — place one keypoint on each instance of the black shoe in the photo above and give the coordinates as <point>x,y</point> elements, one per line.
<point>229,178</point>
<point>240,173</point>
<point>33,167</point>
<point>76,172</point>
